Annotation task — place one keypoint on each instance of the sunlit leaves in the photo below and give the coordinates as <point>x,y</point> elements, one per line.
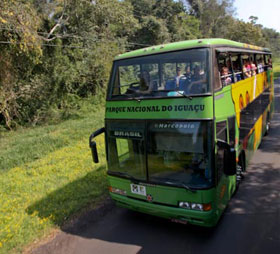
<point>19,26</point>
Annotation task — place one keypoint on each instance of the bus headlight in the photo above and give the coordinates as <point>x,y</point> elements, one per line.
<point>185,205</point>
<point>195,206</point>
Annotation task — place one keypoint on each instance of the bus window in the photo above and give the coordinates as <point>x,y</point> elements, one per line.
<point>128,73</point>
<point>217,80</point>
<point>269,62</point>
<point>246,67</point>
<point>231,130</point>
<point>172,74</point>
<point>225,69</point>
<point>126,149</point>
<point>180,152</point>
<point>221,134</point>
<point>266,62</point>
<point>161,75</point>
<point>260,63</point>
<point>236,66</point>
<point>221,131</point>
<point>153,70</point>
<point>253,65</point>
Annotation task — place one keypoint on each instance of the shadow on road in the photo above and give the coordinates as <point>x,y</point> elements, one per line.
<point>73,197</point>
<point>250,224</point>
<point>239,230</point>
<point>270,143</point>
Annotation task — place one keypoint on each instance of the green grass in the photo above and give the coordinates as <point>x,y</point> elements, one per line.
<point>27,144</point>
<point>276,68</point>
<point>47,176</point>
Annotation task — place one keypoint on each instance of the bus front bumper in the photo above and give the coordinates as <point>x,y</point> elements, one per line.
<point>201,218</point>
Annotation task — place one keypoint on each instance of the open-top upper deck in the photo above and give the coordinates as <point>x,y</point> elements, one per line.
<point>198,43</point>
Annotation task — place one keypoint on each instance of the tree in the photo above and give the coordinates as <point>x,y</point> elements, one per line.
<point>253,20</point>
<point>214,16</point>
<point>153,31</point>
<point>273,40</point>
<point>184,27</point>
<point>56,50</point>
<point>20,52</point>
<point>163,21</point>
<point>246,32</point>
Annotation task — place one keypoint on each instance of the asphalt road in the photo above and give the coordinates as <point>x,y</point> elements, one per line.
<point>250,224</point>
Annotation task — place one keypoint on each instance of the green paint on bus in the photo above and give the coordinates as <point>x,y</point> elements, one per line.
<point>179,131</point>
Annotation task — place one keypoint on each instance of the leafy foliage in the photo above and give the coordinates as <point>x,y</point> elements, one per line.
<point>53,53</point>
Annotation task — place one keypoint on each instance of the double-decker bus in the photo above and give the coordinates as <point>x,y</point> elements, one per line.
<point>182,122</point>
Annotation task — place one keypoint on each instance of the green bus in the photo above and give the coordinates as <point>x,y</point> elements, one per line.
<point>181,124</point>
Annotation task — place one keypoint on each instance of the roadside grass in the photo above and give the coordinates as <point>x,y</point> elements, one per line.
<point>276,68</point>
<point>47,176</point>
<point>28,144</point>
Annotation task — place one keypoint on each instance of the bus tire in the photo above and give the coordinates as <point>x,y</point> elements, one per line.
<point>240,168</point>
<point>267,125</point>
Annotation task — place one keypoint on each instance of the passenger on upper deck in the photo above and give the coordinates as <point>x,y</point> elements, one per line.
<point>188,74</point>
<point>197,81</point>
<point>196,74</point>
<point>260,65</point>
<point>237,70</point>
<point>145,83</point>
<point>178,76</point>
<point>253,68</point>
<point>225,76</point>
<point>246,69</point>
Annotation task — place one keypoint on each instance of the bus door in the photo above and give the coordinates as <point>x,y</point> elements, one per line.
<point>225,131</point>
<point>221,134</point>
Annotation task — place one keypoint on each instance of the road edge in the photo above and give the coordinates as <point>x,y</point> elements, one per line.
<point>77,223</point>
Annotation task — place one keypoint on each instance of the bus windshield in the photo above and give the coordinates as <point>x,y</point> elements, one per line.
<point>161,75</point>
<point>161,151</point>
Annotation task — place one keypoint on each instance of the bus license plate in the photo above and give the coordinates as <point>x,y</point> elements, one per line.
<point>138,189</point>
<point>184,222</point>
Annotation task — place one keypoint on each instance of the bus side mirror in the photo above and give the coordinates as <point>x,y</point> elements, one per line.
<point>94,152</point>
<point>229,157</point>
<point>92,144</point>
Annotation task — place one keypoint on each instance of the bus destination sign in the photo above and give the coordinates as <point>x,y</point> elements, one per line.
<point>170,108</point>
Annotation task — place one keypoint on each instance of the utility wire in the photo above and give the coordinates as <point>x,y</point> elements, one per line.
<point>65,36</point>
<point>47,45</point>
<point>66,46</point>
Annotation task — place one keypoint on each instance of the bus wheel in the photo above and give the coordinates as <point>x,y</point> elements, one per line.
<point>267,125</point>
<point>238,175</point>
<point>240,168</point>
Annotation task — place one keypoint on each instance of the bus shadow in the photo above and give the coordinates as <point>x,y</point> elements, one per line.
<point>259,191</point>
<point>270,143</point>
<point>257,203</point>
<point>258,196</point>
<point>59,205</point>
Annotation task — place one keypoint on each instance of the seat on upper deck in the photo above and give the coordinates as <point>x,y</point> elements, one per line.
<point>170,85</point>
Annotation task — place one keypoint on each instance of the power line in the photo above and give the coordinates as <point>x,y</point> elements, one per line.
<point>47,45</point>
<point>65,36</point>
<point>67,46</point>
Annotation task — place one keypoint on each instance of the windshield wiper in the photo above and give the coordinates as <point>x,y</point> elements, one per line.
<point>183,94</point>
<point>178,184</point>
<point>178,92</point>
<point>124,174</point>
<point>131,96</point>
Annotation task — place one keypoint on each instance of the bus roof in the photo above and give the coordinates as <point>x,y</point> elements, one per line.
<point>188,45</point>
